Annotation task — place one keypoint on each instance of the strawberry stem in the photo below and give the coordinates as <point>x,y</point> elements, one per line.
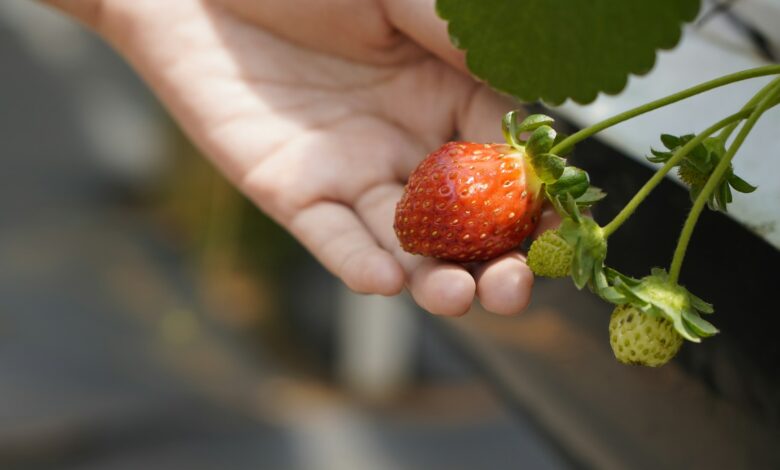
<point>569,142</point>
<point>768,100</point>
<point>728,124</point>
<point>640,196</point>
<point>728,130</point>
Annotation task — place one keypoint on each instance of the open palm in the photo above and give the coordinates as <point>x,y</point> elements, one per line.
<point>321,134</point>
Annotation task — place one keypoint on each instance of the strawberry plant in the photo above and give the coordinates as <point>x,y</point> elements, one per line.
<point>457,204</point>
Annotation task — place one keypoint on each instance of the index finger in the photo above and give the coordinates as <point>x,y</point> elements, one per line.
<point>417,19</point>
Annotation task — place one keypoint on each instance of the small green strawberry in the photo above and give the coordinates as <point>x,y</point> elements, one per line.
<point>691,176</point>
<point>697,166</point>
<point>641,338</point>
<point>550,255</point>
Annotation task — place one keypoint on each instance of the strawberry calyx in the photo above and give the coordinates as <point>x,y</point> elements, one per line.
<point>535,137</point>
<point>589,246</point>
<point>657,296</point>
<point>696,167</point>
<point>542,137</point>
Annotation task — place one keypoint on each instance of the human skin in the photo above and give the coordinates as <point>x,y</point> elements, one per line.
<point>318,111</point>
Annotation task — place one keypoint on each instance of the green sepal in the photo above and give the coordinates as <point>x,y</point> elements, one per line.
<point>670,141</point>
<point>535,121</point>
<point>724,197</point>
<point>541,140</point>
<point>590,247</point>
<point>549,168</point>
<point>600,285</point>
<point>740,185</point>
<point>700,326</point>
<point>573,180</point>
<point>511,129</point>
<point>591,196</point>
<point>699,157</point>
<point>581,266</point>
<point>659,156</point>
<point>566,206</point>
<point>700,305</point>
<point>617,278</point>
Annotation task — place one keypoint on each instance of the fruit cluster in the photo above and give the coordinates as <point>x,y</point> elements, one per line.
<point>472,202</point>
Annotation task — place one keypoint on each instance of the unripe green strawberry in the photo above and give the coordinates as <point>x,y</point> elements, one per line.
<point>550,255</point>
<point>642,339</point>
<point>692,177</point>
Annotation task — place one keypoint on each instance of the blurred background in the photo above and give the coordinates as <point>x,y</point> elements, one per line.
<point>151,318</point>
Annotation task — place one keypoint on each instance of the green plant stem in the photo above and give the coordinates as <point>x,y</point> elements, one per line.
<point>728,124</point>
<point>728,130</point>
<point>640,196</point>
<point>681,95</point>
<point>690,223</point>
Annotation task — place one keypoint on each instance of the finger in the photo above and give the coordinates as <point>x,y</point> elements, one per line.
<point>504,284</point>
<point>438,287</point>
<point>418,20</point>
<point>338,239</point>
<point>548,220</point>
<point>480,119</point>
<point>441,288</point>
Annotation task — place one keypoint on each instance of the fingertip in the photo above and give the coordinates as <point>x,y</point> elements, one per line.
<point>504,285</point>
<point>378,273</point>
<point>443,289</point>
<point>387,278</point>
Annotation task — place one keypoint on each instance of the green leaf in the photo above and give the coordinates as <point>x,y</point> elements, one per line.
<point>590,248</point>
<point>551,51</point>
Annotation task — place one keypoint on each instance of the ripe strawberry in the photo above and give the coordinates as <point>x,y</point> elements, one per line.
<point>550,255</point>
<point>642,339</point>
<point>468,202</point>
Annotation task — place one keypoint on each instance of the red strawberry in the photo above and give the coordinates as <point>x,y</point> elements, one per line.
<point>468,202</point>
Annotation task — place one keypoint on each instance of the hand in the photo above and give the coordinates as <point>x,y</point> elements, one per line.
<point>318,111</point>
